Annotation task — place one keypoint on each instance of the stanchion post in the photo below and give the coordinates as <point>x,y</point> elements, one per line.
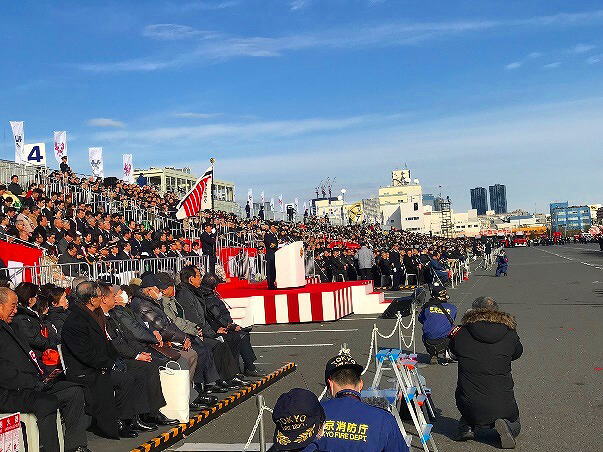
<point>262,438</point>
<point>376,345</point>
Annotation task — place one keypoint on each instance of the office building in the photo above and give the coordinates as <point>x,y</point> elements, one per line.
<point>498,198</point>
<point>569,219</point>
<point>479,200</point>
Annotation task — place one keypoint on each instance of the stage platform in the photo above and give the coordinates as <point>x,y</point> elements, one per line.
<point>254,304</point>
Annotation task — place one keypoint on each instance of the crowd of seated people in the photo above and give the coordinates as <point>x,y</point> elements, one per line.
<point>74,232</point>
<point>112,342</point>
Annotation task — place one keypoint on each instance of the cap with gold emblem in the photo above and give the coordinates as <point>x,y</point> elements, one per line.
<point>340,362</point>
<point>298,416</point>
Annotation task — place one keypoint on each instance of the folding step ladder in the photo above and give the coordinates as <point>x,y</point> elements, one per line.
<point>408,388</point>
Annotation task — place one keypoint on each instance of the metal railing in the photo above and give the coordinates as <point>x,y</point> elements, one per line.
<point>61,275</point>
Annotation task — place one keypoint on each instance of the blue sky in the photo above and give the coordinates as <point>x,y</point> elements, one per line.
<point>287,92</point>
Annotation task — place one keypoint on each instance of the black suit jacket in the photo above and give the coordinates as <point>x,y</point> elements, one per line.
<point>271,244</point>
<point>123,340</point>
<point>17,368</point>
<point>208,243</point>
<point>89,357</point>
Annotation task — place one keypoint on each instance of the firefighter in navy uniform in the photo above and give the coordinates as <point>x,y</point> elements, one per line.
<point>271,244</point>
<point>351,425</point>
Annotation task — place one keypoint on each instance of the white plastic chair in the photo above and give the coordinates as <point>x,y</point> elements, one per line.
<point>30,422</point>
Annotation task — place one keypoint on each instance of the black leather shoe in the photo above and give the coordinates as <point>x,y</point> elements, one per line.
<point>207,400</point>
<point>232,385</point>
<point>161,419</point>
<point>140,426</point>
<point>212,388</point>
<point>125,431</point>
<point>256,373</point>
<point>240,382</point>
<point>196,406</point>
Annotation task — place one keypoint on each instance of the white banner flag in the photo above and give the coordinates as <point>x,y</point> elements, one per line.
<point>296,205</point>
<point>18,135</point>
<point>250,197</point>
<point>305,207</point>
<point>60,145</point>
<point>262,197</point>
<point>280,203</point>
<point>271,204</point>
<point>128,169</point>
<point>95,155</point>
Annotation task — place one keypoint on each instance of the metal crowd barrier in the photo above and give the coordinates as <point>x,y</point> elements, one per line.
<point>61,275</point>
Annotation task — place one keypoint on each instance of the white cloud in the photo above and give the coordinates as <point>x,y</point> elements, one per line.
<point>105,122</point>
<point>214,47</point>
<point>553,65</point>
<point>535,55</point>
<point>243,130</point>
<point>583,48</point>
<point>594,59</point>
<point>453,152</point>
<point>207,6</point>
<point>173,32</point>
<point>298,4</point>
<point>195,115</point>
<point>513,66</point>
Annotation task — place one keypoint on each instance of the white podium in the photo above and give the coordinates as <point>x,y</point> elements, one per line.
<point>290,269</point>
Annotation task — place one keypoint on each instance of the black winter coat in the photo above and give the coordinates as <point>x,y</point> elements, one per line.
<point>17,369</point>
<point>216,312</point>
<point>128,321</point>
<point>149,312</point>
<point>485,347</point>
<point>123,340</point>
<point>56,317</point>
<point>189,298</point>
<point>30,326</point>
<point>89,357</point>
<point>20,380</point>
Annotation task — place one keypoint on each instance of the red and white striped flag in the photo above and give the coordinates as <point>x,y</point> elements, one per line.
<point>198,198</point>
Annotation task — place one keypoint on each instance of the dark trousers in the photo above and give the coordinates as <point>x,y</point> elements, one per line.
<point>436,347</point>
<point>126,389</point>
<point>240,344</point>
<point>206,370</point>
<point>366,274</point>
<point>514,426</point>
<point>271,270</point>
<point>225,360</point>
<point>71,406</point>
<point>149,395</point>
<point>43,405</point>
<point>396,279</point>
<point>211,265</point>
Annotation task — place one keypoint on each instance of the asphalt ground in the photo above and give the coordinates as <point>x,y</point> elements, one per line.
<point>556,294</point>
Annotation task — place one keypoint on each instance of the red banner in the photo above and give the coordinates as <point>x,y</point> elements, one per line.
<point>16,256</point>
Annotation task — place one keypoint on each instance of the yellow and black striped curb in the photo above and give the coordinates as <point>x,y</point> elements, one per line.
<point>204,417</point>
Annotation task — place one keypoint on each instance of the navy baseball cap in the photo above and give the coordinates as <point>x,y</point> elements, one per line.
<point>152,280</point>
<point>342,362</point>
<point>298,416</point>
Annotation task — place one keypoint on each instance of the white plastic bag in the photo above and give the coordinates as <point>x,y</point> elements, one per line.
<point>176,388</point>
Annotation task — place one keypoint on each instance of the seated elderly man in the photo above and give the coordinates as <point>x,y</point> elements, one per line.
<point>25,388</point>
<point>138,360</point>
<point>91,360</point>
<point>195,299</point>
<point>146,305</point>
